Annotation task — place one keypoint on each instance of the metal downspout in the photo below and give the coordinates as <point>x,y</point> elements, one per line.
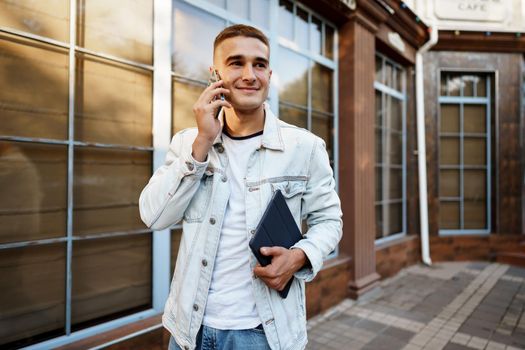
<point>421,145</point>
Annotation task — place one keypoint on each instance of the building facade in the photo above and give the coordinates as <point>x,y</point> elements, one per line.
<point>92,92</point>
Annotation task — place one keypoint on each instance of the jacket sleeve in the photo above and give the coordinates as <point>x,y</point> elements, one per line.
<point>322,208</point>
<point>169,191</point>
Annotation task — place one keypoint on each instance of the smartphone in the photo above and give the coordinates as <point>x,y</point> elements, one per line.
<point>215,78</point>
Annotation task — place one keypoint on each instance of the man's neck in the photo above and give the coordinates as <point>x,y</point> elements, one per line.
<point>244,123</point>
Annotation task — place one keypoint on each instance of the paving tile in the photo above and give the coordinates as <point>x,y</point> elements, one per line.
<point>399,334</point>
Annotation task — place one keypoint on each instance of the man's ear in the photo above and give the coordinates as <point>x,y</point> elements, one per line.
<point>270,74</point>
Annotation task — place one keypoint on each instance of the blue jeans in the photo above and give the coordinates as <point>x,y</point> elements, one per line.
<point>210,338</point>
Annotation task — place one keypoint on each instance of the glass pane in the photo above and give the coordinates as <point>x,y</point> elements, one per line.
<point>468,85</point>
<point>395,218</point>
<point>176,236</point>
<point>454,85</point>
<point>449,183</point>
<point>379,146</point>
<point>379,69</point>
<point>322,88</point>
<point>184,96</point>
<point>394,181</point>
<point>260,13</point>
<point>238,7</point>
<point>33,188</point>
<point>295,116</point>
<point>475,184</point>
<point>379,183</point>
<point>121,28</point>
<point>34,97</point>
<point>475,151</point>
<point>111,278</point>
<point>481,89</point>
<point>286,19</point>
<point>323,126</point>
<point>107,186</point>
<point>475,214</point>
<point>394,120</point>
<point>443,89</point>
<point>113,103</point>
<point>379,221</point>
<point>301,28</point>
<point>379,109</point>
<point>388,74</point>
<point>475,118</point>
<point>45,18</point>
<point>394,149</point>
<point>193,41</point>
<point>329,34</point>
<point>449,118</point>
<point>449,216</point>
<point>292,70</point>
<point>33,281</point>
<point>449,151</point>
<point>399,79</point>
<point>316,35</point>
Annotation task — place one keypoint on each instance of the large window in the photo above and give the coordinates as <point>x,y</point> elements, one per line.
<point>464,153</point>
<point>390,145</point>
<point>75,152</point>
<point>80,111</point>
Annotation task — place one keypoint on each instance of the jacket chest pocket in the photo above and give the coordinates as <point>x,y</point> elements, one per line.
<point>199,203</point>
<point>292,191</point>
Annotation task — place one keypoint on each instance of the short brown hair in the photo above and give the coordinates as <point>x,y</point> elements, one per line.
<point>240,30</point>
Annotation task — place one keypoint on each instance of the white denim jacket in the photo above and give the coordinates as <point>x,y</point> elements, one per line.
<point>290,159</point>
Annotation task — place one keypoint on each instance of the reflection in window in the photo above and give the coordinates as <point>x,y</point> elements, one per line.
<point>33,187</point>
<point>107,185</point>
<point>390,198</point>
<point>185,95</point>
<point>112,278</point>
<point>48,18</point>
<point>33,281</point>
<point>34,93</point>
<point>286,19</point>
<point>464,153</point>
<point>292,70</point>
<point>122,28</point>
<point>194,32</point>
<point>295,116</point>
<point>114,103</point>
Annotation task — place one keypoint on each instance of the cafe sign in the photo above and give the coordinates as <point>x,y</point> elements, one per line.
<point>473,10</point>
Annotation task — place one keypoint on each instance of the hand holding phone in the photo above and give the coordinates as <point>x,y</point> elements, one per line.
<point>215,78</point>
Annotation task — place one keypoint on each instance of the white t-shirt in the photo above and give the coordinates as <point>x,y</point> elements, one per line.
<point>231,303</point>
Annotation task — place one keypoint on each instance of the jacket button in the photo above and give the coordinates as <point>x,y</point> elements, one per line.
<point>195,307</point>
<point>224,179</point>
<point>204,262</point>
<point>212,221</point>
<point>186,347</point>
<point>220,149</point>
<point>252,232</point>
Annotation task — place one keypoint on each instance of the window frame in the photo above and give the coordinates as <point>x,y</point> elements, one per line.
<point>487,101</point>
<point>400,95</point>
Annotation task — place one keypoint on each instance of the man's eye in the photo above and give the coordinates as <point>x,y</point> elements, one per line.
<point>236,63</point>
<point>260,65</point>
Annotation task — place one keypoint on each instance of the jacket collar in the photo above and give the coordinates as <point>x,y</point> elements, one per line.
<point>271,137</point>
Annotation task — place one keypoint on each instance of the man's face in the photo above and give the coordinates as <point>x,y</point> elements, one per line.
<point>243,65</point>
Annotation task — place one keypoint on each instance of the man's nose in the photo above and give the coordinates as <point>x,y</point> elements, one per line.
<point>248,73</point>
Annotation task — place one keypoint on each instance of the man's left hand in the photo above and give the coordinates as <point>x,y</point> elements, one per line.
<point>285,262</point>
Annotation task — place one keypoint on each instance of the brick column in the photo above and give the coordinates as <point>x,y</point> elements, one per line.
<point>356,151</point>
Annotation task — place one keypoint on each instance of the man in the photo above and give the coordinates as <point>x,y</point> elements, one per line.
<point>218,179</point>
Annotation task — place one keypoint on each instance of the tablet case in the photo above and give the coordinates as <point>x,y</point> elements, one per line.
<point>276,228</point>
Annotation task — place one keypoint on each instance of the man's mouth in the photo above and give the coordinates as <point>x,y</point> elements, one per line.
<point>247,88</point>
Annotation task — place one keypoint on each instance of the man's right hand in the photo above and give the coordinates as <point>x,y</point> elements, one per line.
<point>209,127</point>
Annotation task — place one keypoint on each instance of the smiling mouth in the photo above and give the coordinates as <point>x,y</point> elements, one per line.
<point>247,88</point>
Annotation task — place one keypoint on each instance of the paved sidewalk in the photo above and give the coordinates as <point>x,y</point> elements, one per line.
<point>449,306</point>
